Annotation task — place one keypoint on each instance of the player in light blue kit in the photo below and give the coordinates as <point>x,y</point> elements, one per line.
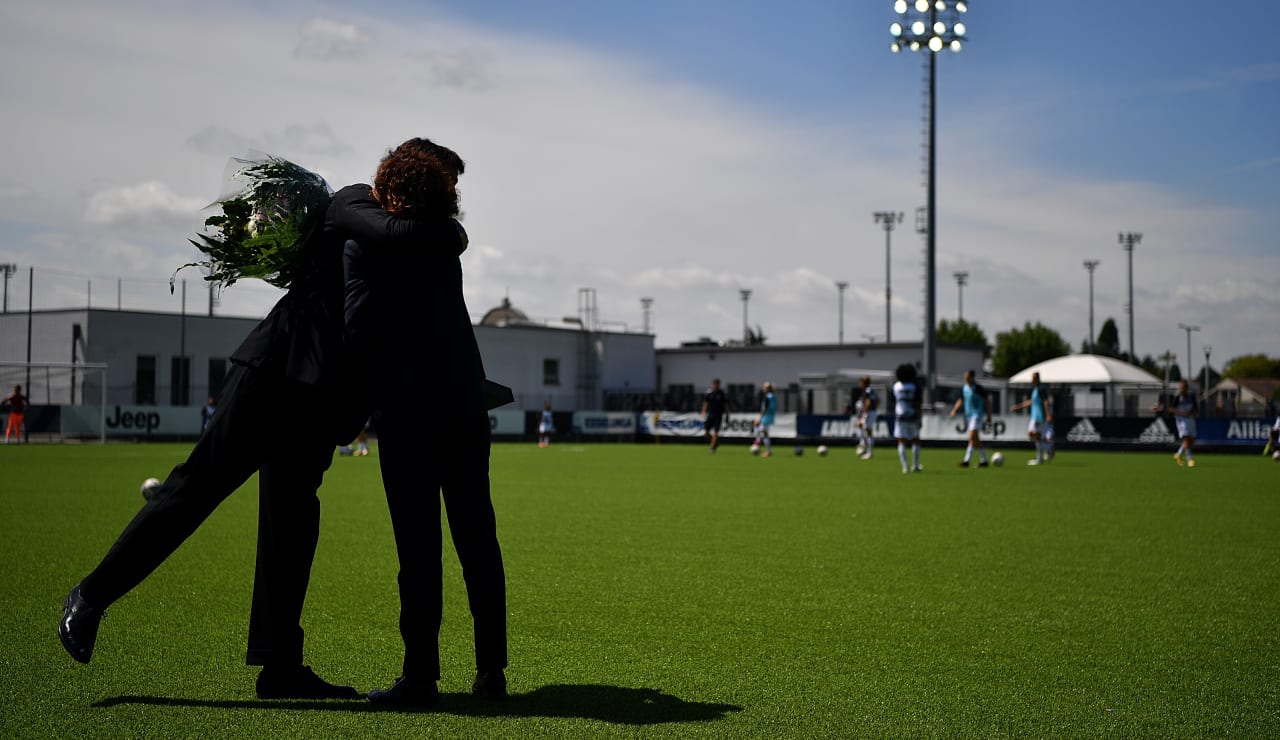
<point>1041,418</point>
<point>974,401</point>
<point>768,413</point>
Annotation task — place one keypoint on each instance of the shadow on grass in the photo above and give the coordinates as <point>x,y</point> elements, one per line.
<point>616,704</point>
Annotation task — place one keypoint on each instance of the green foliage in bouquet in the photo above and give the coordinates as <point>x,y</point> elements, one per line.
<point>273,208</point>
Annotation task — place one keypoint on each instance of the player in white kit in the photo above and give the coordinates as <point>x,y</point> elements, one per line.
<point>906,410</point>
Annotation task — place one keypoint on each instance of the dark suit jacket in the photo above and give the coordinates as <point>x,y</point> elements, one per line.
<point>405,313</point>
<point>301,337</point>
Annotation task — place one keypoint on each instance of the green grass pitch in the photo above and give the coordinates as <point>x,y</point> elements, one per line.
<point>657,590</point>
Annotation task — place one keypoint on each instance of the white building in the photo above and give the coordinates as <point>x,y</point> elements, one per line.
<point>161,359</point>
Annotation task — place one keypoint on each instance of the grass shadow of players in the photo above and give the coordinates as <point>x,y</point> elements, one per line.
<point>614,704</point>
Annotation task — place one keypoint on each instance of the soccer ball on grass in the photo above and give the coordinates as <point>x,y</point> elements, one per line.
<point>822,450</point>
<point>755,449</point>
<point>997,459</point>
<point>149,487</point>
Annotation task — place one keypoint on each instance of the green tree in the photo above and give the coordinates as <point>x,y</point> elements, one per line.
<point>1020,348</point>
<point>1252,366</point>
<point>1108,339</point>
<point>961,332</point>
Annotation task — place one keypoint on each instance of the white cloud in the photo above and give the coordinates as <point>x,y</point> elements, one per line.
<point>324,38</point>
<point>142,205</point>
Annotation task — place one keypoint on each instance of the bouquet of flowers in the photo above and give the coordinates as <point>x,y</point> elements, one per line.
<point>270,209</point>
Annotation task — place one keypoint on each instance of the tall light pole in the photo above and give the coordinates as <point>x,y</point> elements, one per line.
<point>932,26</point>
<point>962,279</point>
<point>1129,241</point>
<point>1167,358</point>
<point>840,288</point>
<point>1204,392</point>
<point>647,305</point>
<point>1091,265</point>
<point>8,269</point>
<point>746,330</point>
<point>1188,329</point>
<point>887,219</point>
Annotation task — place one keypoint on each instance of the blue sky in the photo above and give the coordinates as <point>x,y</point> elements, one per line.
<point>681,150</point>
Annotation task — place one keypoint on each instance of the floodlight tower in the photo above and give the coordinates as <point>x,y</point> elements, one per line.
<point>746,330</point>
<point>1204,392</point>
<point>8,269</point>
<point>887,219</point>
<point>1188,329</point>
<point>932,25</point>
<point>1091,265</point>
<point>647,305</point>
<point>1129,241</point>
<point>962,279</point>
<point>840,288</point>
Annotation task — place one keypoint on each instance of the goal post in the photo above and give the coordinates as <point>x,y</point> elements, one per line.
<point>68,399</point>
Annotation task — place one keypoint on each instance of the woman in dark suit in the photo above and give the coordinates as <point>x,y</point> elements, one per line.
<point>406,315</point>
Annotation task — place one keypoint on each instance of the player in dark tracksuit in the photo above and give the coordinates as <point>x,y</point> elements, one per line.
<point>405,312</point>
<point>714,405</point>
<point>275,418</point>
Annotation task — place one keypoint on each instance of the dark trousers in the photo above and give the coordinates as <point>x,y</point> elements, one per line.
<point>422,460</point>
<point>264,423</point>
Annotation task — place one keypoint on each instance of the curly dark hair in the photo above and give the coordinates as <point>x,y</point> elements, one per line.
<point>448,157</point>
<point>418,179</point>
<point>906,373</point>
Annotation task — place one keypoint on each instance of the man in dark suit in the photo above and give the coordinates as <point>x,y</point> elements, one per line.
<point>276,418</point>
<point>429,445</point>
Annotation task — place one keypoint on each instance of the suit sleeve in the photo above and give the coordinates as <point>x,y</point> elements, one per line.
<point>354,212</point>
<point>359,326</point>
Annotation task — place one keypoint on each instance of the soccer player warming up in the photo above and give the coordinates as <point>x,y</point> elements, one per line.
<point>17,414</point>
<point>1041,417</point>
<point>974,402</point>
<point>1184,410</point>
<point>906,424</point>
<point>867,418</point>
<point>713,406</point>
<point>768,411</point>
<point>545,426</point>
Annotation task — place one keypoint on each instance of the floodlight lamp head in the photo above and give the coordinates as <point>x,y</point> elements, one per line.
<point>895,29</point>
<point>935,44</point>
<point>922,6</point>
<point>962,6</point>
<point>900,7</point>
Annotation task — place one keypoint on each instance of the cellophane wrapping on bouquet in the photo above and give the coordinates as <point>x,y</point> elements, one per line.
<point>269,209</point>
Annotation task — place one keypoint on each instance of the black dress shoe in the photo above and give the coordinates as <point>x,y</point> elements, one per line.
<point>406,692</point>
<point>78,629</point>
<point>299,682</point>
<point>490,685</point>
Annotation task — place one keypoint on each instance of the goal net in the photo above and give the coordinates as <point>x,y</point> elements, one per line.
<point>67,400</point>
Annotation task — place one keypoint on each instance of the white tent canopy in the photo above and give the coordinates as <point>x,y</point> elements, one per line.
<point>1087,369</point>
